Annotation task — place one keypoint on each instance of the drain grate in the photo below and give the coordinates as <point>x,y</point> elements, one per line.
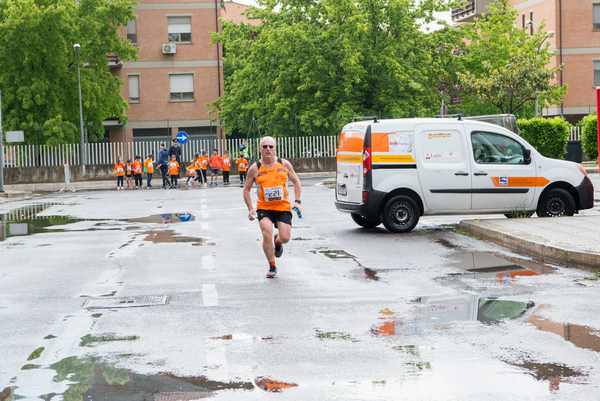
<point>126,302</point>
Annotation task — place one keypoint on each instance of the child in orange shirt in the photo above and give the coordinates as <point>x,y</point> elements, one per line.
<point>149,167</point>
<point>120,173</point>
<point>204,166</point>
<point>190,172</point>
<point>174,172</point>
<point>242,168</point>
<point>226,167</point>
<point>128,173</point>
<point>137,172</point>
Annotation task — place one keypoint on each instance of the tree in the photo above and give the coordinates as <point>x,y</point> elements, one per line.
<point>38,75</point>
<point>505,67</point>
<point>312,65</point>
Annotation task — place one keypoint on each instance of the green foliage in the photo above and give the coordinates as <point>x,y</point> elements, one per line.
<point>589,135</point>
<point>548,135</point>
<point>504,68</point>
<point>310,66</point>
<point>39,66</point>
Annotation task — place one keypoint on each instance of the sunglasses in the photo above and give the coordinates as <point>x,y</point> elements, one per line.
<point>268,146</point>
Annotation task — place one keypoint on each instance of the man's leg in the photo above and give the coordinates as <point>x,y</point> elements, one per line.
<point>266,228</point>
<point>283,236</point>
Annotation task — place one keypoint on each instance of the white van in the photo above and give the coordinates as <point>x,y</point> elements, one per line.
<point>394,171</point>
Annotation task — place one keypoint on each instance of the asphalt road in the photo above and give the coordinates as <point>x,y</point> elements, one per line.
<point>162,295</point>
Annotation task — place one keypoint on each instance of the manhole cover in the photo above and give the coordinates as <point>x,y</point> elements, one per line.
<point>126,302</point>
<point>336,254</point>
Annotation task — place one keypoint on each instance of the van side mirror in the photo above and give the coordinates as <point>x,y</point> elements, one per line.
<point>527,156</point>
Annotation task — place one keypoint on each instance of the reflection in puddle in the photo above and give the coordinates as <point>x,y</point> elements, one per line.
<point>582,336</point>
<point>554,373</point>
<point>334,335</point>
<point>271,385</point>
<point>91,379</point>
<point>27,221</point>
<point>434,313</point>
<point>170,237</point>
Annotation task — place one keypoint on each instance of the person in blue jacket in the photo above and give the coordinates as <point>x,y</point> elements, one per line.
<point>163,163</point>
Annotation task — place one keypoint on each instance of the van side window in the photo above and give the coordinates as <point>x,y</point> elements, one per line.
<point>492,148</point>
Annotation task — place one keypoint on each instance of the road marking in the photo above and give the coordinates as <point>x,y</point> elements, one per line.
<point>209,295</point>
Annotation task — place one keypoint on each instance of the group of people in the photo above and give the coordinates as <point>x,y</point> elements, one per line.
<point>198,170</point>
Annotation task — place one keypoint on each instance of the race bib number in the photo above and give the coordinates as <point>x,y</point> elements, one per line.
<point>273,194</point>
<point>120,170</point>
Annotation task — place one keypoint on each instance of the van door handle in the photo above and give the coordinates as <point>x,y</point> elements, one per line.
<point>463,173</point>
<point>479,173</point>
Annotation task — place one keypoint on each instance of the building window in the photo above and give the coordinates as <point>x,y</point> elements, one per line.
<point>180,29</point>
<point>182,86</point>
<point>596,16</point>
<point>596,73</point>
<point>134,88</point>
<point>132,31</point>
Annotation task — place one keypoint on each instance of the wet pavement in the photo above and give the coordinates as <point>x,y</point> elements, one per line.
<point>161,295</point>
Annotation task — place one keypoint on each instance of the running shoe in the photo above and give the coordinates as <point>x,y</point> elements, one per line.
<point>278,248</point>
<point>272,272</point>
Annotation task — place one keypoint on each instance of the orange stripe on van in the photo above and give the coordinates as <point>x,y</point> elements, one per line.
<point>402,158</point>
<point>351,142</point>
<point>357,159</point>
<point>380,142</point>
<point>522,182</point>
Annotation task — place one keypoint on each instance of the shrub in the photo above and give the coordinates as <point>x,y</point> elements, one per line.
<point>548,135</point>
<point>589,135</point>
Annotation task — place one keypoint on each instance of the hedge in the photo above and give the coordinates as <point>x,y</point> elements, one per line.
<point>548,135</point>
<point>589,135</point>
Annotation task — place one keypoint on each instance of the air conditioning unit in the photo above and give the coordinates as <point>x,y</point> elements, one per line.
<point>169,48</point>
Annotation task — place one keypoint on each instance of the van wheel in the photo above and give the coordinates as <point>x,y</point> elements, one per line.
<point>365,222</point>
<point>400,214</point>
<point>555,203</point>
<point>519,215</point>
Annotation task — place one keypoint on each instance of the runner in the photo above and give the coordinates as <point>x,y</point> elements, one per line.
<point>273,207</point>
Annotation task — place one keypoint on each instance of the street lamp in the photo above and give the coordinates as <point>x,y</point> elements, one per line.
<point>82,158</point>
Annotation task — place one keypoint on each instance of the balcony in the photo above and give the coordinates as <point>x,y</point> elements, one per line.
<point>473,9</point>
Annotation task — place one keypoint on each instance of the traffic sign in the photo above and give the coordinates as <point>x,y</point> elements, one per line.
<point>182,137</point>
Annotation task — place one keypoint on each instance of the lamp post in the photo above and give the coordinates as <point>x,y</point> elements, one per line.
<point>82,158</point>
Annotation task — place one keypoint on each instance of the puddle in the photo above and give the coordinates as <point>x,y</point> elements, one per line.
<point>164,218</point>
<point>50,337</point>
<point>438,313</point>
<point>271,385</point>
<point>371,274</point>
<point>30,366</point>
<point>90,378</point>
<point>89,340</point>
<point>554,373</point>
<point>581,336</point>
<point>447,244</point>
<point>170,237</point>
<point>27,221</point>
<point>36,354</point>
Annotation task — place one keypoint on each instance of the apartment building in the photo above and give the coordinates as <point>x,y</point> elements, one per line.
<point>574,26</point>
<point>178,73</point>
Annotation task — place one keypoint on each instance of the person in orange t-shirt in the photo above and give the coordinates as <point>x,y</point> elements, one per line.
<point>203,167</point>
<point>137,168</point>
<point>149,168</point>
<point>120,173</point>
<point>190,172</point>
<point>173,167</point>
<point>226,167</point>
<point>242,167</point>
<point>216,165</point>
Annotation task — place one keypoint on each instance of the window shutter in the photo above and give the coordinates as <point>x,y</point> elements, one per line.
<point>180,25</point>
<point>182,83</point>
<point>134,87</point>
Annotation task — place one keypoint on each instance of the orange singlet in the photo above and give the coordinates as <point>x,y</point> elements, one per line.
<point>272,187</point>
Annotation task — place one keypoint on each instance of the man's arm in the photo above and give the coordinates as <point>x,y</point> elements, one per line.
<point>250,178</point>
<point>294,179</point>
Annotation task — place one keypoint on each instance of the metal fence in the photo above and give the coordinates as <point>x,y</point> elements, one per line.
<point>108,153</point>
<point>575,134</point>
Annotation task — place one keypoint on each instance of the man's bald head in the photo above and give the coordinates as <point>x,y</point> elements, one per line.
<point>267,140</point>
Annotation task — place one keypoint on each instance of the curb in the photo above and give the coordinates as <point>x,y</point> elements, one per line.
<point>543,252</point>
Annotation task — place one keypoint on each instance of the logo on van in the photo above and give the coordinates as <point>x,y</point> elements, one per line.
<point>503,181</point>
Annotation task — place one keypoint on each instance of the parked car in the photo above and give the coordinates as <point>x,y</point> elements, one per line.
<point>395,171</point>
